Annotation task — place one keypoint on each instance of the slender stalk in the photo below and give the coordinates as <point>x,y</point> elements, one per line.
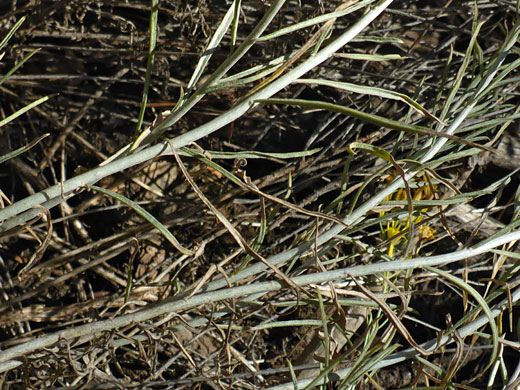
<point>177,304</point>
<point>52,196</point>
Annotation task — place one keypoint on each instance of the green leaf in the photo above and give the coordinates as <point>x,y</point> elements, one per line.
<point>370,57</point>
<point>24,110</point>
<point>374,150</point>
<point>21,150</point>
<point>18,65</point>
<point>229,18</point>
<point>481,301</point>
<point>146,215</point>
<point>372,118</point>
<point>372,91</point>
<point>314,21</point>
<point>149,65</point>
<point>11,32</point>
<point>251,154</point>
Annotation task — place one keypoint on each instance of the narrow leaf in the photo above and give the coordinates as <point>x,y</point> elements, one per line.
<point>11,32</point>
<point>314,21</point>
<point>24,110</point>
<point>373,119</point>
<point>146,215</point>
<point>373,91</point>
<point>18,65</point>
<point>149,66</point>
<point>23,149</point>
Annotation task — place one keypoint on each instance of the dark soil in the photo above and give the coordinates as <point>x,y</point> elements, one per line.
<point>91,61</point>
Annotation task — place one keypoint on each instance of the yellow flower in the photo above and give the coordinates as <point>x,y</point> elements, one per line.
<point>426,233</point>
<point>393,229</point>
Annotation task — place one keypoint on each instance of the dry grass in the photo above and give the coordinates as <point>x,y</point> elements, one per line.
<point>371,243</point>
